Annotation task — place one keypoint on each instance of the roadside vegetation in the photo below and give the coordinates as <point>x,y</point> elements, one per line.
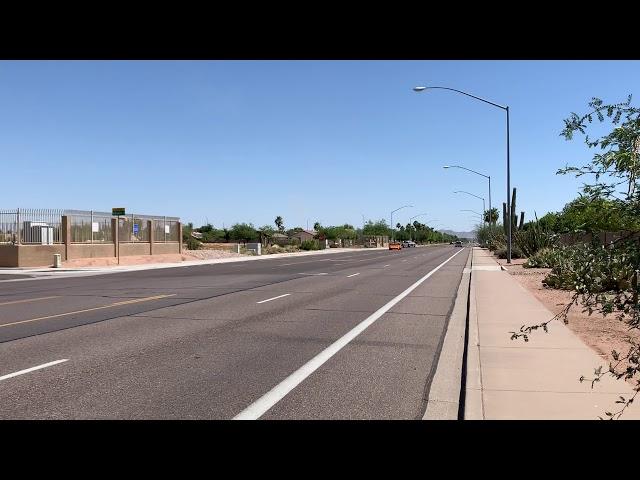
<point>592,246</point>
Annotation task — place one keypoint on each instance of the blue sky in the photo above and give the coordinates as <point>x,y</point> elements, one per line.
<point>233,141</point>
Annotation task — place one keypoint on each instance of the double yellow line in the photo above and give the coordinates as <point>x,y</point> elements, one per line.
<point>117,304</point>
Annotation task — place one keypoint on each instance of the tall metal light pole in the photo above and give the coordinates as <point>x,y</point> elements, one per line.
<point>506,109</point>
<point>481,174</point>
<point>483,206</point>
<point>393,229</point>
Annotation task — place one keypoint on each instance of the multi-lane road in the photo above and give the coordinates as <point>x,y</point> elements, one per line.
<point>353,335</point>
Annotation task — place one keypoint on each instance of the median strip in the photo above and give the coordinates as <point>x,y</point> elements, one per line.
<point>274,298</point>
<point>277,393</point>
<point>117,304</point>
<point>38,367</point>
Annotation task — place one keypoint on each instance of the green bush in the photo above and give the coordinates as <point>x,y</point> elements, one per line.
<point>543,258</point>
<point>593,268</point>
<point>193,244</point>
<point>534,238</point>
<point>309,245</point>
<point>515,252</point>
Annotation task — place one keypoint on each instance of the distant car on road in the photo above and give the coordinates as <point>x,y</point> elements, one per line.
<point>458,243</point>
<point>395,246</point>
<point>408,244</point>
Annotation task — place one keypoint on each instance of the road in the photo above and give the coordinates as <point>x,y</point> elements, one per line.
<point>340,336</point>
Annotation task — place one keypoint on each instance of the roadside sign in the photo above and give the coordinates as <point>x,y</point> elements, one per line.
<point>135,228</point>
<point>95,227</point>
<point>117,211</point>
<point>166,229</point>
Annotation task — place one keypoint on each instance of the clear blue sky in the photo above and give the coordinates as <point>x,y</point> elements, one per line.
<point>233,141</point>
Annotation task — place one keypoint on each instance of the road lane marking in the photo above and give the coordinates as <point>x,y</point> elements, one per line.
<point>404,260</point>
<point>385,266</point>
<point>277,393</point>
<point>274,298</point>
<point>28,300</point>
<point>38,367</point>
<point>353,275</point>
<point>313,274</point>
<point>117,304</point>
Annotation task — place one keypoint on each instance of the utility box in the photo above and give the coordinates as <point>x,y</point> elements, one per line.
<point>57,260</point>
<point>37,232</point>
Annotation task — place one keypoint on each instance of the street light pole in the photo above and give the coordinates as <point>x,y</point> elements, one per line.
<point>506,109</point>
<point>482,175</point>
<point>481,198</point>
<point>393,230</point>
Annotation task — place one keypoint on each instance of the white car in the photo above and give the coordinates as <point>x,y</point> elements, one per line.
<point>408,244</point>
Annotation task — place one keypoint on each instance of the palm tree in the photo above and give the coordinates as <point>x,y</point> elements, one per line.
<point>279,223</point>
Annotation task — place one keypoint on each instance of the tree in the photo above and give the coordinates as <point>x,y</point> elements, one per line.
<point>376,228</point>
<point>279,223</point>
<point>491,216</point>
<point>317,226</point>
<point>243,232</point>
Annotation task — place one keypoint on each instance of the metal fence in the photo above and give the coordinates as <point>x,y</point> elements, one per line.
<point>27,226</point>
<point>89,227</point>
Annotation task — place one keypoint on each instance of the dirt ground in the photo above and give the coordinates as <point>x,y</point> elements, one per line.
<point>186,256</point>
<point>602,333</point>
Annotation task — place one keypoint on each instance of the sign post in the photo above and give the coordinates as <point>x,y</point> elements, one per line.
<point>117,212</point>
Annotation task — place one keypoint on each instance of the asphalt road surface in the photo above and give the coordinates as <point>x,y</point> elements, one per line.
<point>339,336</point>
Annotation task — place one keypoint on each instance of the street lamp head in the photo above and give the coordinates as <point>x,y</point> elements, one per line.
<point>419,89</point>
<point>445,166</point>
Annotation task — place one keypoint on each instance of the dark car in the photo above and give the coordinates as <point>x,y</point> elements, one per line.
<point>458,243</point>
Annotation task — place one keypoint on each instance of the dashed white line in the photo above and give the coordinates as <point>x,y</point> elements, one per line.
<point>313,274</point>
<point>274,298</point>
<point>38,367</point>
<point>353,275</point>
<point>277,393</point>
<point>385,266</point>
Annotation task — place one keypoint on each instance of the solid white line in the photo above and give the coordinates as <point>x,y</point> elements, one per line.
<point>277,393</point>
<point>274,298</point>
<point>22,372</point>
<point>353,275</point>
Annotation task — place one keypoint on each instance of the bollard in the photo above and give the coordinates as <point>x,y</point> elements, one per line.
<point>57,260</point>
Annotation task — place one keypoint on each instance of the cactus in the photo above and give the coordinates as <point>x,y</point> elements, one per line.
<point>521,221</point>
<point>504,218</point>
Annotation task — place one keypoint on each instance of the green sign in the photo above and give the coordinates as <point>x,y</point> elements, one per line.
<point>117,211</point>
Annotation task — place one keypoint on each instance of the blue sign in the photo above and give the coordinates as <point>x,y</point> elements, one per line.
<point>135,228</point>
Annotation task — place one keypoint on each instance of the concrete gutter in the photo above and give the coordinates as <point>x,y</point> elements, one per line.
<point>444,394</point>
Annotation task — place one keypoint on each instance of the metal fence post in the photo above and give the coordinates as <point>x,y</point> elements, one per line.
<point>18,226</point>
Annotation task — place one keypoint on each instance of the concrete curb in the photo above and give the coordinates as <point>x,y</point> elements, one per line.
<point>444,394</point>
<point>473,407</point>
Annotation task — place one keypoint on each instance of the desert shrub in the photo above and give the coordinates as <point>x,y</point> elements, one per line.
<point>543,258</point>
<point>515,252</point>
<point>193,244</point>
<point>534,238</point>
<point>593,268</point>
<point>309,245</point>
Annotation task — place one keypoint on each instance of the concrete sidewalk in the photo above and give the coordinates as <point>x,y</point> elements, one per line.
<point>539,379</point>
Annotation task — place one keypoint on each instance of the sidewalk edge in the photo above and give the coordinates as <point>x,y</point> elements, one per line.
<point>444,394</point>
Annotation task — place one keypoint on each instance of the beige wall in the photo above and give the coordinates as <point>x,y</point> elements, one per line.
<point>96,250</point>
<point>134,249</point>
<point>163,248</point>
<point>8,256</point>
<point>36,255</point>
